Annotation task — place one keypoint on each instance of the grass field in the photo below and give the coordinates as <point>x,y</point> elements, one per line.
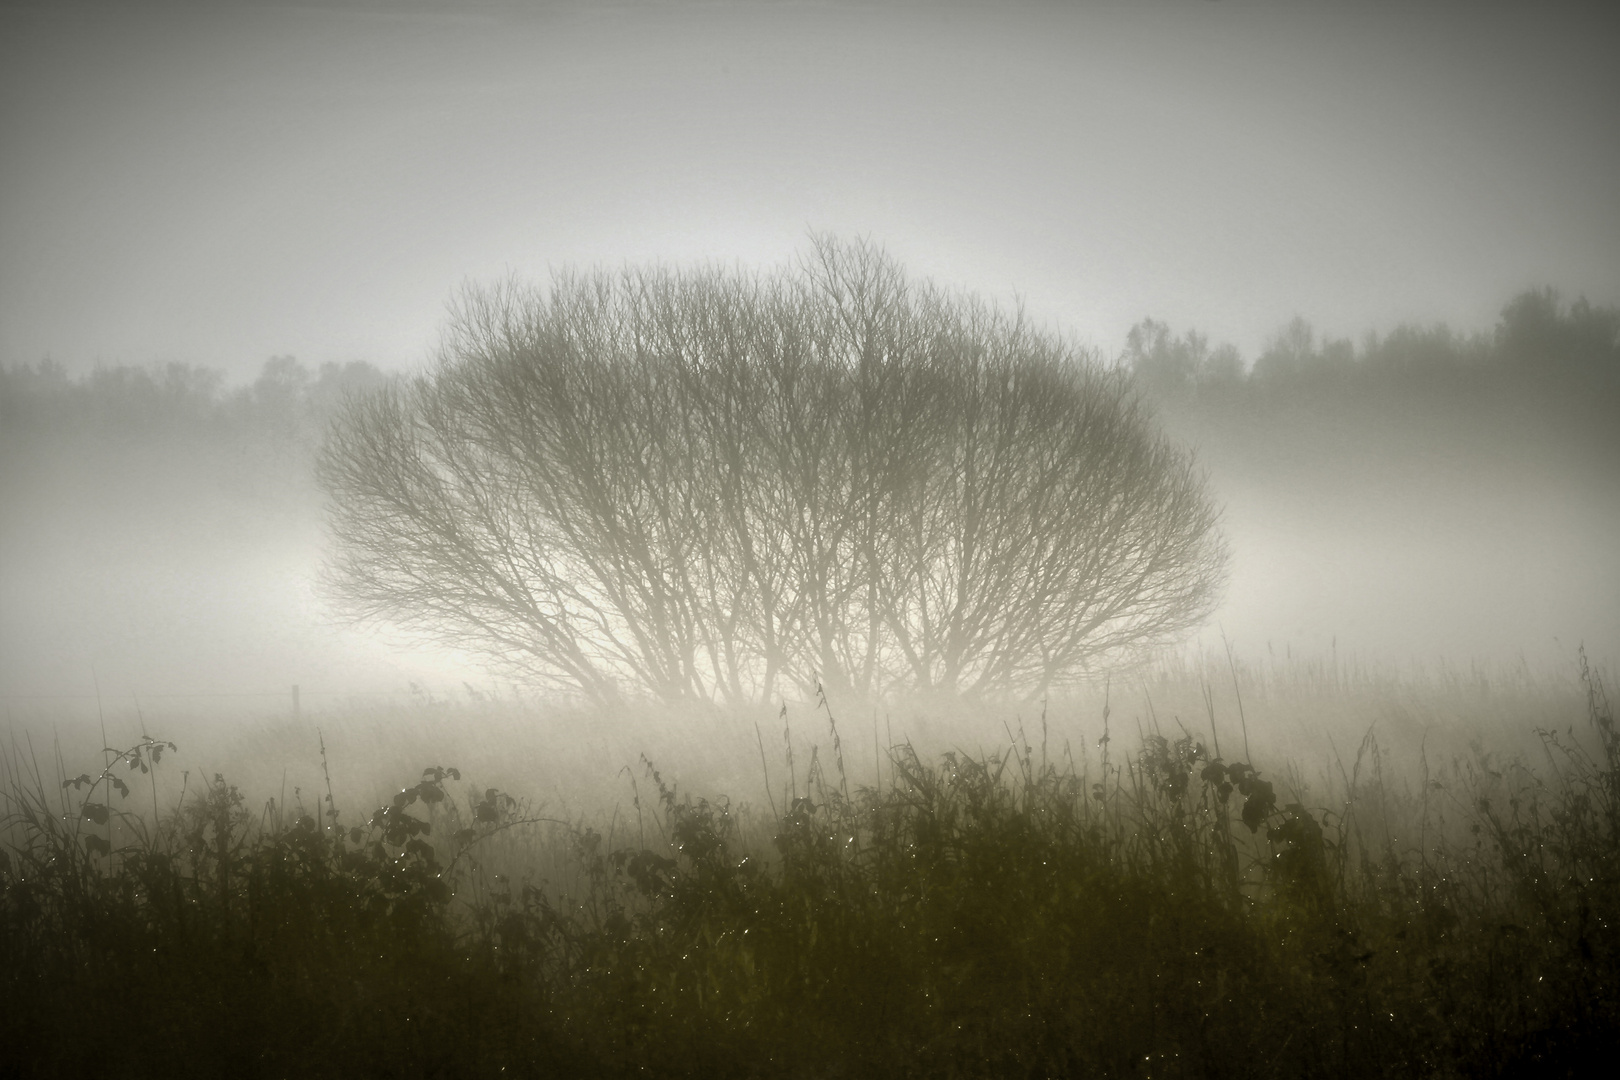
<point>1212,868</point>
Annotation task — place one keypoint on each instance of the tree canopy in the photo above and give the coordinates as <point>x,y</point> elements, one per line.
<point>725,486</point>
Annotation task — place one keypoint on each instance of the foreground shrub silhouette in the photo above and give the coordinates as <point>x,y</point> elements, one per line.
<point>719,486</point>
<point>1173,914</point>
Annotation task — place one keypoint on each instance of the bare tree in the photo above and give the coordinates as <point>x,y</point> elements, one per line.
<point>723,486</point>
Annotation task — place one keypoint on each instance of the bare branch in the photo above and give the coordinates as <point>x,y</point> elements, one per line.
<point>726,486</point>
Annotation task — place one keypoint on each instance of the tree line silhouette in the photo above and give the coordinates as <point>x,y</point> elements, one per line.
<point>1538,336</point>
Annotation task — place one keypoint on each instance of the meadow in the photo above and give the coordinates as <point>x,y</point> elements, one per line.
<point>1252,863</point>
<point>1214,867</point>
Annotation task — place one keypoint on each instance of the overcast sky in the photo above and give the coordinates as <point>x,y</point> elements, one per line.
<point>218,183</point>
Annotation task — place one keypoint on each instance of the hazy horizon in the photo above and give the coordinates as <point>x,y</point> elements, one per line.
<point>220,184</point>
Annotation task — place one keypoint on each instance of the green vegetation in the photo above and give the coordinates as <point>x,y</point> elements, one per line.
<point>1181,908</point>
<point>1167,912</point>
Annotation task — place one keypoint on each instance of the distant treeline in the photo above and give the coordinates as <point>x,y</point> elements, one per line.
<point>1538,340</point>
<point>1538,337</point>
<point>287,398</point>
<point>1534,398</point>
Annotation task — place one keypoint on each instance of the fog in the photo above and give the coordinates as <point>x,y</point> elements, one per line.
<point>1433,532</point>
<point>166,551</point>
<point>186,191</point>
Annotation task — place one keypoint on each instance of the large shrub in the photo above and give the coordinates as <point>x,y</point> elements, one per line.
<point>718,485</point>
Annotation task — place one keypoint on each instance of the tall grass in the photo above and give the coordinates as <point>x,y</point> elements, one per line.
<point>1156,906</point>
